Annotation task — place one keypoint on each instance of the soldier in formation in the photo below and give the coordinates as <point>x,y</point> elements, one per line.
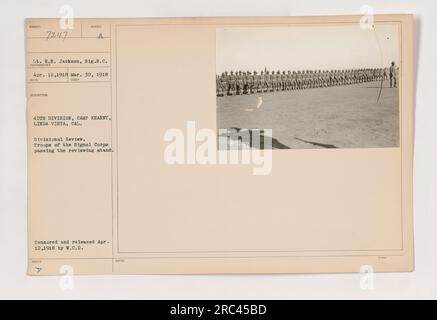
<point>250,82</point>
<point>393,75</point>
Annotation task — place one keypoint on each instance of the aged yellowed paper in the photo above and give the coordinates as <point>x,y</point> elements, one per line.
<point>220,145</point>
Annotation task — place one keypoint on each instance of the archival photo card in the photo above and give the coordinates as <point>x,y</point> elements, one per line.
<point>308,86</point>
<point>125,176</point>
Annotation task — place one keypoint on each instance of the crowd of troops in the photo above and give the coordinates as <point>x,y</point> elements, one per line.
<point>247,82</point>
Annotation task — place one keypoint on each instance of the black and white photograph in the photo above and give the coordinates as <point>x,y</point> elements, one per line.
<point>328,86</point>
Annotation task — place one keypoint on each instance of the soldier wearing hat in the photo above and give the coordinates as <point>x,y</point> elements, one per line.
<point>232,84</point>
<point>256,82</point>
<point>393,75</point>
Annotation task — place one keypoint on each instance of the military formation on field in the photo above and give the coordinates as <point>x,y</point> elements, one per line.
<point>247,82</point>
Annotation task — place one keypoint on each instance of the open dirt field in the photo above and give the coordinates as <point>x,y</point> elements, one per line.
<point>336,117</point>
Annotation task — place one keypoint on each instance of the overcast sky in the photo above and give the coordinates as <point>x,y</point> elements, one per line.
<point>306,47</point>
